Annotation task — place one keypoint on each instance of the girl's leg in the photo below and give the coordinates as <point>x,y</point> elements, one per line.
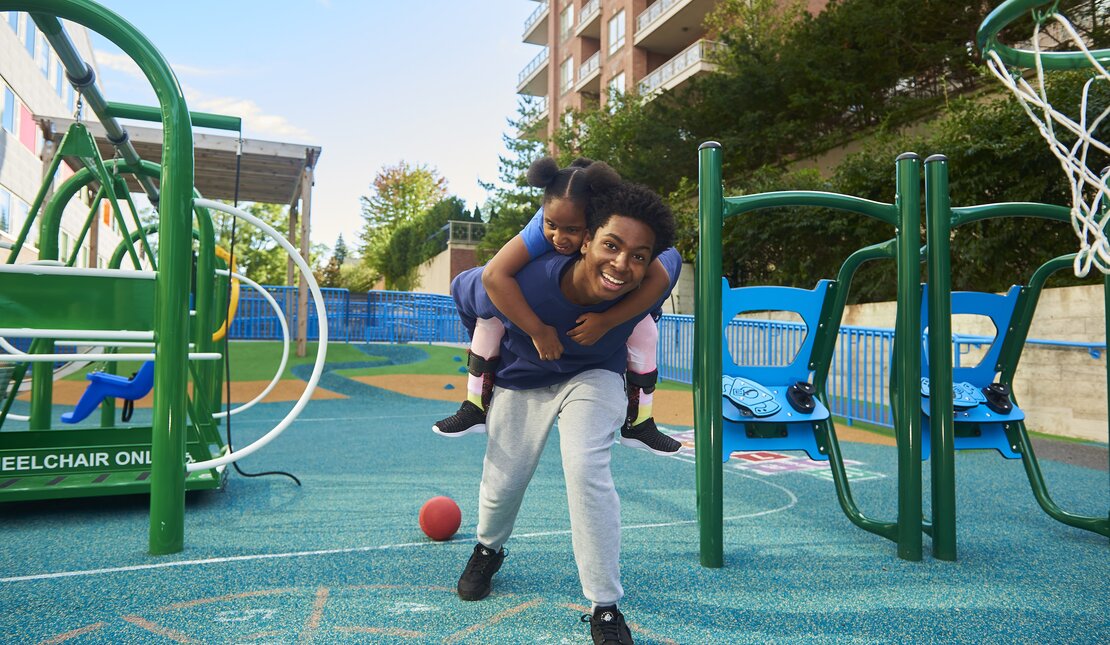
<point>642,372</point>
<point>485,349</point>
<point>639,429</point>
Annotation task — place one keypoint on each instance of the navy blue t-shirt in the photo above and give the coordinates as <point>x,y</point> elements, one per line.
<point>520,367</point>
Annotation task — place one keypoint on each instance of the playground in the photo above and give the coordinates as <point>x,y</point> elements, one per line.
<point>342,559</point>
<point>246,494</point>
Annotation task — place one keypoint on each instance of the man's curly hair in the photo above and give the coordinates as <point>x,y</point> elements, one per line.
<point>637,202</point>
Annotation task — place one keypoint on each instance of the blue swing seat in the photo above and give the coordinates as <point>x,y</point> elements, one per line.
<point>103,385</point>
<point>977,426</point>
<point>758,414</point>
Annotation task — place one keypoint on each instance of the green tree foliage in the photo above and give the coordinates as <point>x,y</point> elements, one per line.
<point>419,240</point>
<point>401,193</point>
<point>512,201</point>
<point>257,255</point>
<point>332,276</point>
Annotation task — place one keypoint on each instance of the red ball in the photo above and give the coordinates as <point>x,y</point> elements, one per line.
<point>440,518</point>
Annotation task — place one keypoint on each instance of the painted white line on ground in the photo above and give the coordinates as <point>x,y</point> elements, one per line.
<point>468,541</point>
<point>793,500</point>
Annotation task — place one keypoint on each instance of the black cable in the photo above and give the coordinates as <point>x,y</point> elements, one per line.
<point>227,330</point>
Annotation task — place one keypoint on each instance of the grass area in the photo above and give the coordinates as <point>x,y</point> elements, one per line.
<point>441,360</point>
<point>253,360</point>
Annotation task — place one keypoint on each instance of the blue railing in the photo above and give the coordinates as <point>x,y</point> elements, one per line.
<point>858,376</point>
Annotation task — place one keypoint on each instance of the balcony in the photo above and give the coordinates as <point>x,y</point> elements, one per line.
<point>669,26</point>
<point>589,20</point>
<point>533,78</point>
<point>534,124</point>
<point>695,59</point>
<point>589,75</point>
<point>535,26</point>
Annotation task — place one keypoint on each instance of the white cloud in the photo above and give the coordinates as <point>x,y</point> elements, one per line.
<point>256,121</point>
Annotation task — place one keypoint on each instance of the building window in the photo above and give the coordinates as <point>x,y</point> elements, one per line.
<point>5,211</point>
<point>29,36</point>
<point>566,74</point>
<point>616,84</point>
<point>22,212</point>
<point>566,21</point>
<point>7,114</point>
<point>71,98</point>
<point>616,32</point>
<point>64,256</point>
<point>42,56</point>
<point>59,80</point>
<point>13,21</point>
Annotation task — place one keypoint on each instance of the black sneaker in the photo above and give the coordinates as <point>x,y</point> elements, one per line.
<point>468,420</point>
<point>476,580</point>
<point>607,626</point>
<point>647,437</point>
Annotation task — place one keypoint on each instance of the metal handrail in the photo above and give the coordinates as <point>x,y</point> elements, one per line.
<point>535,64</point>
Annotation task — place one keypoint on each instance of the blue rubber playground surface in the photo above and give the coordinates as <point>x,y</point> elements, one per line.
<point>341,559</point>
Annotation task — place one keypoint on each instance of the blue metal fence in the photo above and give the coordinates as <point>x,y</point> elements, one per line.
<point>858,377</point>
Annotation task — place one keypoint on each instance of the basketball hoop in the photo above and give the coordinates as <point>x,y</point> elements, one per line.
<point>1090,196</point>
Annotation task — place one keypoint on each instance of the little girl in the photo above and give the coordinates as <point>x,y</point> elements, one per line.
<point>560,225</point>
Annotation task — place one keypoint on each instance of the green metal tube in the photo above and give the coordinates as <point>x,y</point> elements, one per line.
<point>167,498</point>
<point>198,119</point>
<point>836,201</point>
<point>904,389</point>
<point>121,188</point>
<point>83,79</point>
<point>89,219</point>
<point>941,423</point>
<point>967,214</point>
<point>1012,10</point>
<point>708,418</point>
<point>33,213</point>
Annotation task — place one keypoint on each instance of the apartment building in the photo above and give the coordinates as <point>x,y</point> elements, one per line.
<point>593,47</point>
<point>33,84</point>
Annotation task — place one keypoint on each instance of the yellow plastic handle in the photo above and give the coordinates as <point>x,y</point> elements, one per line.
<point>233,304</point>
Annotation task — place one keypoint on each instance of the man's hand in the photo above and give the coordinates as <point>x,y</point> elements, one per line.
<point>547,344</point>
<point>591,327</point>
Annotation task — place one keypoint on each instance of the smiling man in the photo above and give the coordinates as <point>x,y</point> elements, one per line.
<point>583,390</point>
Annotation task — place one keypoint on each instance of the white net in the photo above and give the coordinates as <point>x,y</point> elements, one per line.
<point>1089,192</point>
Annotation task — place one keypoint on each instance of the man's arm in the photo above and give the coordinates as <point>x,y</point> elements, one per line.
<point>499,279</point>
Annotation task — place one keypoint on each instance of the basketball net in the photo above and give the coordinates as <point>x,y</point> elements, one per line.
<point>1089,192</point>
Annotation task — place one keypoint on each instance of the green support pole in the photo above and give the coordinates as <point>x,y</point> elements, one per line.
<point>905,377</point>
<point>708,424</point>
<point>171,316</point>
<point>938,231</point>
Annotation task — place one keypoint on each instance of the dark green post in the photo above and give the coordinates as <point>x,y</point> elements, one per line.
<point>171,316</point>
<point>905,377</point>
<point>938,231</point>
<point>708,424</point>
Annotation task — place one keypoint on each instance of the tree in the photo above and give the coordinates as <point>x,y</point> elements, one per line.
<point>401,194</point>
<point>340,251</point>
<point>257,255</point>
<point>331,276</point>
<point>513,202</point>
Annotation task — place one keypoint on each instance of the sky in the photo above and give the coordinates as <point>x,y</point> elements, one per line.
<point>372,82</point>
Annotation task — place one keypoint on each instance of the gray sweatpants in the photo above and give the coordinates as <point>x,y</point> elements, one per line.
<point>589,407</point>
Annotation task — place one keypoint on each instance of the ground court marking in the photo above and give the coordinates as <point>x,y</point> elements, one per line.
<point>793,500</point>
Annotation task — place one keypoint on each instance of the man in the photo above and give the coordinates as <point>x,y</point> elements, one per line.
<point>629,226</point>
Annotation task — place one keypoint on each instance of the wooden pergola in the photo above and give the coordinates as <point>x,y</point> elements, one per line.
<point>270,172</point>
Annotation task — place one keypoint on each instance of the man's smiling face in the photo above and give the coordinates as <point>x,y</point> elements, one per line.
<point>615,259</point>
